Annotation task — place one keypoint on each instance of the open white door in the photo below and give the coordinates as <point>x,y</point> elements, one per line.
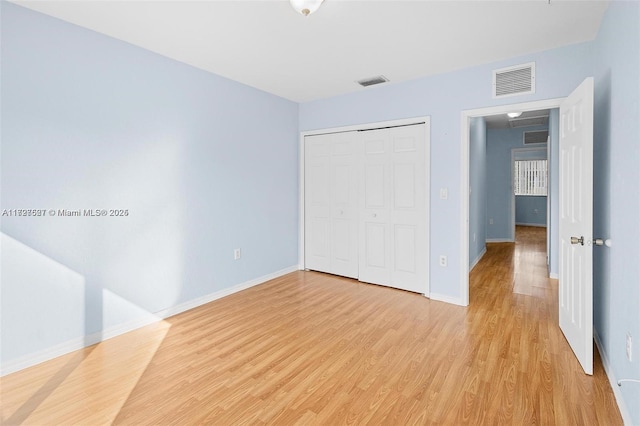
<point>576,222</point>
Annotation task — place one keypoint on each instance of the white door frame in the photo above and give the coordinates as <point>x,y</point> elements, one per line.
<point>365,126</point>
<point>465,122</point>
<point>549,201</point>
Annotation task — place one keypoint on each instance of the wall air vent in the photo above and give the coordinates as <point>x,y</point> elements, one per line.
<point>517,80</point>
<point>537,136</point>
<point>373,80</point>
<point>528,121</point>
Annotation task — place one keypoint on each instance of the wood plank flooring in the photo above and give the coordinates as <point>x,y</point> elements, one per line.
<point>310,348</point>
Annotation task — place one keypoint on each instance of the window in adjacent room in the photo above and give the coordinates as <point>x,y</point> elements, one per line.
<point>530,177</point>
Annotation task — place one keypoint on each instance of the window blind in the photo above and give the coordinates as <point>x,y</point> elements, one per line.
<point>530,177</point>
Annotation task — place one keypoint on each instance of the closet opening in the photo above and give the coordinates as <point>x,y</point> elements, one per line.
<point>364,203</point>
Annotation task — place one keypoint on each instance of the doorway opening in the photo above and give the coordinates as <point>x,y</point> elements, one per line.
<point>574,160</point>
<point>473,191</point>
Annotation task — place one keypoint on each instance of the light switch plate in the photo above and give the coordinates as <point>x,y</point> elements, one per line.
<point>444,193</point>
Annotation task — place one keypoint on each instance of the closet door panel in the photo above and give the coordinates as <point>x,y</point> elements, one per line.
<point>408,213</point>
<point>374,186</point>
<point>344,192</point>
<point>331,231</point>
<point>317,204</point>
<point>404,186</point>
<point>376,249</point>
<point>365,206</point>
<point>405,247</point>
<point>375,239</point>
<point>318,245</point>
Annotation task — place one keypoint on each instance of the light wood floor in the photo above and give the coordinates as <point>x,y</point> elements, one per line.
<point>310,348</point>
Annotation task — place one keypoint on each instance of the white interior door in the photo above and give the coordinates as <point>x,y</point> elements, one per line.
<point>317,207</point>
<point>393,243</point>
<point>408,209</point>
<point>331,231</point>
<point>576,222</point>
<point>344,205</point>
<point>375,241</point>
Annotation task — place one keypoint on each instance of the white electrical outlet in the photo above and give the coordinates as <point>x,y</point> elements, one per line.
<point>236,254</point>
<point>629,347</point>
<point>443,261</point>
<point>444,193</point>
<point>491,221</point>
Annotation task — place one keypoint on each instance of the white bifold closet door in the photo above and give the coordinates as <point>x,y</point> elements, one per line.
<point>331,202</point>
<point>393,228</point>
<point>365,206</point>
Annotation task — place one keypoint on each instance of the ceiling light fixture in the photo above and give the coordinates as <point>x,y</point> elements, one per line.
<point>514,114</point>
<point>306,7</point>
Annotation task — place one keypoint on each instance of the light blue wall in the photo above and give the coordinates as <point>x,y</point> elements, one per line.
<point>616,188</point>
<point>477,186</point>
<point>443,97</point>
<point>500,144</point>
<point>531,210</point>
<point>202,164</point>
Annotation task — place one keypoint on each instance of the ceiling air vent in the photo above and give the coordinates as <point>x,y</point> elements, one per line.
<point>373,80</point>
<point>517,80</point>
<point>528,121</point>
<point>537,136</point>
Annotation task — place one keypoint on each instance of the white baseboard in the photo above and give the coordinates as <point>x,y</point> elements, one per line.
<point>43,355</point>
<point>84,341</point>
<point>175,310</point>
<point>539,225</point>
<point>499,240</point>
<point>613,381</point>
<point>553,275</point>
<point>447,299</point>
<point>475,262</point>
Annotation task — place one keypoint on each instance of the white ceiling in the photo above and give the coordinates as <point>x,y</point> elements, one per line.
<point>267,45</point>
